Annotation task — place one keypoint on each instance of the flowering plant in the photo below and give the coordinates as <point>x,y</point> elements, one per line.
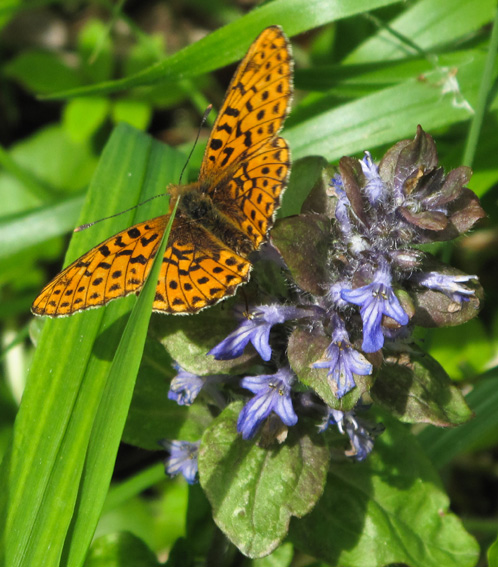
<point>326,338</point>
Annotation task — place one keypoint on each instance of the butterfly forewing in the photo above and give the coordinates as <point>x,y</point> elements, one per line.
<point>255,107</point>
<point>254,190</point>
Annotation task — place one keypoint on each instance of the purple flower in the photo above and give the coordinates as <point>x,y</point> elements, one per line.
<point>273,393</point>
<point>185,387</point>
<point>360,433</point>
<point>333,417</point>
<point>334,294</point>
<point>182,458</point>
<point>449,285</point>
<point>374,188</point>
<point>255,328</point>
<point>336,183</point>
<point>376,299</point>
<point>343,360</point>
<point>342,208</point>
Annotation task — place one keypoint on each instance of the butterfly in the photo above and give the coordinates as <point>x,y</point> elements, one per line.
<point>221,218</point>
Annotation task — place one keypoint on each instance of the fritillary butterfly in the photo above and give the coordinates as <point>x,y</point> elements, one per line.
<point>221,218</point>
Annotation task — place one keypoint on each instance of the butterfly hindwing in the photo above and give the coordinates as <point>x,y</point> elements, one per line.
<point>115,268</point>
<point>198,270</point>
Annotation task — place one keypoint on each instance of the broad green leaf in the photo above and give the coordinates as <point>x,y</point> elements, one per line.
<point>462,352</point>
<point>281,557</point>
<point>32,190</point>
<point>120,550</point>
<point>303,241</point>
<point>390,508</point>
<point>493,554</point>
<point>8,10</point>
<point>152,415</point>
<point>68,381</point>
<point>414,388</point>
<point>306,173</point>
<point>83,116</point>
<point>52,161</point>
<point>188,339</point>
<point>254,491</point>
<point>134,112</point>
<point>42,72</point>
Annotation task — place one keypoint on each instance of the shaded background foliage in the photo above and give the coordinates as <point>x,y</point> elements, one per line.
<point>366,76</point>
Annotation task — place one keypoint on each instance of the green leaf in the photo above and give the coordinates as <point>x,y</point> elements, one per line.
<point>61,416</point>
<point>20,233</point>
<point>201,529</point>
<point>435,309</point>
<point>443,445</point>
<point>304,241</point>
<point>254,491</point>
<point>390,508</point>
<point>493,554</point>
<point>427,25</point>
<point>120,550</point>
<point>188,339</point>
<point>42,72</point>
<point>134,112</point>
<point>357,78</point>
<point>281,557</point>
<point>152,415</point>
<point>306,174</point>
<point>83,116</point>
<point>385,116</point>
<point>414,387</point>
<point>49,160</point>
<point>229,43</point>
<point>111,415</point>
<point>463,351</point>
<point>94,46</point>
<point>8,10</point>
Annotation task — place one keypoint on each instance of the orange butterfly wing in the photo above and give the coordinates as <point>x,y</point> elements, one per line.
<point>115,268</point>
<point>198,270</point>
<point>246,165</point>
<point>119,266</point>
<point>244,171</point>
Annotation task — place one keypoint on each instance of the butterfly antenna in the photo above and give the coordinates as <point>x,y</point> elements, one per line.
<point>88,225</point>
<point>204,118</point>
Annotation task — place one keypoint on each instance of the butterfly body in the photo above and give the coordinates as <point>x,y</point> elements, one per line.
<point>198,207</point>
<point>220,219</point>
